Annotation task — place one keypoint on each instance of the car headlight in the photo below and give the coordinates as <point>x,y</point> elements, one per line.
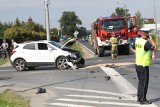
<point>73,55</point>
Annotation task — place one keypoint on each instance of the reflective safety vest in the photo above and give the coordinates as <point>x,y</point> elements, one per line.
<point>114,41</point>
<point>142,57</point>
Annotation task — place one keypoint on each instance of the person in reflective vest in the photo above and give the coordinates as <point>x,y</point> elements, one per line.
<point>144,47</point>
<point>114,42</point>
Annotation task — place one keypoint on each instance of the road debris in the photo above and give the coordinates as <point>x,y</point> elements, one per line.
<point>155,76</point>
<point>111,65</point>
<point>107,78</point>
<point>41,90</point>
<point>92,72</point>
<point>73,67</point>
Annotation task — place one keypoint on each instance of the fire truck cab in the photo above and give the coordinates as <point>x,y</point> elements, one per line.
<point>123,28</point>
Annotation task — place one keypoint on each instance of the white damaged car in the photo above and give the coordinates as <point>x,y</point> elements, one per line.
<point>43,53</point>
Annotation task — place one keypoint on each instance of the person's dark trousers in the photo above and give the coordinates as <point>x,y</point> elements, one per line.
<point>143,77</point>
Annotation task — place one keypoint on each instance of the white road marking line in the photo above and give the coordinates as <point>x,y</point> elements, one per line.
<point>102,102</point>
<point>93,91</point>
<point>123,85</point>
<point>101,97</point>
<point>66,105</point>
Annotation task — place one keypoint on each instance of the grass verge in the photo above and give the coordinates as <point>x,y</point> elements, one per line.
<point>10,99</point>
<point>3,61</point>
<point>78,47</point>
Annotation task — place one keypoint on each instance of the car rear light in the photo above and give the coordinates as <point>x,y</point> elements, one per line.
<point>13,52</point>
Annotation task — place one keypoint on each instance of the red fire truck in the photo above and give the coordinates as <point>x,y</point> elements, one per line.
<point>123,28</point>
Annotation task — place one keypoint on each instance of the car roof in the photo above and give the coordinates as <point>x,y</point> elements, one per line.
<point>40,41</point>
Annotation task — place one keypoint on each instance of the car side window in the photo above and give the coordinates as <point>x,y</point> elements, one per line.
<point>29,46</point>
<point>42,46</point>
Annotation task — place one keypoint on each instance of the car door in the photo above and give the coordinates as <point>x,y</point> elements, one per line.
<point>44,53</point>
<point>28,52</point>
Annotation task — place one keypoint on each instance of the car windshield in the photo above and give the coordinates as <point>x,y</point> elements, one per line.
<point>56,44</point>
<point>113,24</point>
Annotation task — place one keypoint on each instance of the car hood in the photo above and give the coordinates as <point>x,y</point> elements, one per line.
<point>69,43</point>
<point>71,50</point>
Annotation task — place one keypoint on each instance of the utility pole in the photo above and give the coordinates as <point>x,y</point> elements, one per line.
<point>47,23</point>
<point>125,10</point>
<point>155,19</point>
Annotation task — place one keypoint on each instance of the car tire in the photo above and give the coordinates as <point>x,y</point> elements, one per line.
<point>62,63</point>
<point>20,64</point>
<point>3,56</point>
<point>100,51</point>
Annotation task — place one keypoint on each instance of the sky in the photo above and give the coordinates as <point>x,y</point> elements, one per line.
<point>86,10</point>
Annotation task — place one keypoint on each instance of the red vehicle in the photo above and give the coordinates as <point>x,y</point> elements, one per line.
<point>123,28</point>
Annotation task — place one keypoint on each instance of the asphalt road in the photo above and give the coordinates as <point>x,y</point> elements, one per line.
<point>96,85</point>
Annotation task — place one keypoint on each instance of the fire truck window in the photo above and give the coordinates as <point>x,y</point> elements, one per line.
<point>131,23</point>
<point>113,24</point>
<point>105,24</point>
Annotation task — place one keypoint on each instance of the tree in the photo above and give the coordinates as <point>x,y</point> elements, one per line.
<point>120,12</point>
<point>1,30</point>
<point>69,22</point>
<point>3,27</point>
<point>139,19</point>
<point>82,32</point>
<point>28,31</point>
<point>17,22</point>
<point>54,34</point>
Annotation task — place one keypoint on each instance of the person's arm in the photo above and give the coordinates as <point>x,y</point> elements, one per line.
<point>153,55</point>
<point>155,47</point>
<point>6,45</point>
<point>153,43</point>
<point>132,47</point>
<point>149,46</point>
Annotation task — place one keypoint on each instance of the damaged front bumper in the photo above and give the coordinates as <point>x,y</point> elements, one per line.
<point>76,62</point>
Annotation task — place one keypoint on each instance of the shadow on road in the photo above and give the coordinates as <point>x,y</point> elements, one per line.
<point>155,100</point>
<point>5,78</point>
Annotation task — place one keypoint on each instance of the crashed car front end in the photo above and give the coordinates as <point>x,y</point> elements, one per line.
<point>75,58</point>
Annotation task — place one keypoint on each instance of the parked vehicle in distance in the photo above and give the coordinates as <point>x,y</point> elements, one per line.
<point>84,38</point>
<point>41,53</point>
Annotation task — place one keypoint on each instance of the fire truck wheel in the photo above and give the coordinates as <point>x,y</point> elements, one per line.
<point>95,52</point>
<point>100,51</point>
<point>127,50</point>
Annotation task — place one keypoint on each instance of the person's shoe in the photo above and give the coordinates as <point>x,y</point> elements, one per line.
<point>138,100</point>
<point>145,102</point>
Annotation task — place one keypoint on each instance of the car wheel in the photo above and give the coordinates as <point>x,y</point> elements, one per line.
<point>20,64</point>
<point>3,56</point>
<point>30,67</point>
<point>100,51</point>
<point>62,63</point>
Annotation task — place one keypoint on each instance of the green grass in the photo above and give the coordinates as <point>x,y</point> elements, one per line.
<point>10,99</point>
<point>3,61</point>
<point>78,47</point>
